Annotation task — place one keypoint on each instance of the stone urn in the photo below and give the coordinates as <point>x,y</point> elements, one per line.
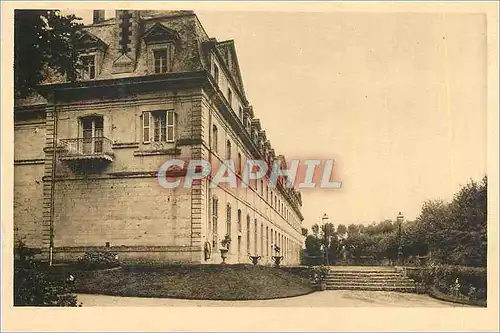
<point>277,260</point>
<point>223,254</point>
<point>254,259</point>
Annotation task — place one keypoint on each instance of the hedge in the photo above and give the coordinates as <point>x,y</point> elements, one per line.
<point>461,282</point>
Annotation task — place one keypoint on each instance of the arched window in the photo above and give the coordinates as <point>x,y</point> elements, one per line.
<point>228,150</point>
<point>239,220</point>
<point>238,166</point>
<point>215,139</point>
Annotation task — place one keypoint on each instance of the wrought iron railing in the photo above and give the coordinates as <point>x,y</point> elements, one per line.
<point>81,147</point>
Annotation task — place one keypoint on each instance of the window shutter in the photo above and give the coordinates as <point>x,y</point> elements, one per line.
<point>146,127</point>
<point>170,126</point>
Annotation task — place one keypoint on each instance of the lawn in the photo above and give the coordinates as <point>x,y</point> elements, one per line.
<point>215,282</point>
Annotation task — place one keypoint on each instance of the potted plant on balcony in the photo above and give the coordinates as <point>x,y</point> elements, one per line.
<point>225,247</point>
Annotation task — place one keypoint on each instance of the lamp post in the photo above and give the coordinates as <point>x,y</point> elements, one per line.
<point>324,220</point>
<point>400,219</point>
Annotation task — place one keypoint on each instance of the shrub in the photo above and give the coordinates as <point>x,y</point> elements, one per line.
<point>458,281</point>
<point>318,274</point>
<point>99,259</point>
<point>37,285</point>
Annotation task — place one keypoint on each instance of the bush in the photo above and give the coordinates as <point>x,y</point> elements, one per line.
<point>37,285</point>
<point>318,274</point>
<point>462,282</point>
<point>99,259</point>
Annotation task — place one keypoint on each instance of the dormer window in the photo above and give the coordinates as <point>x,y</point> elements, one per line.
<point>161,61</point>
<point>216,74</point>
<point>89,67</point>
<point>91,53</point>
<point>230,96</point>
<point>161,43</point>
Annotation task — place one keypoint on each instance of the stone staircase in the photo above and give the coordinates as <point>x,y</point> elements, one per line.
<point>369,278</point>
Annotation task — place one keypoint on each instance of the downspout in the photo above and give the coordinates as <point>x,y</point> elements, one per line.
<point>52,186</point>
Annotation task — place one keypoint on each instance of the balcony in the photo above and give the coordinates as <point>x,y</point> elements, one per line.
<point>97,149</point>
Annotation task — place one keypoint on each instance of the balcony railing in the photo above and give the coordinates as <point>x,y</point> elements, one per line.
<point>86,148</point>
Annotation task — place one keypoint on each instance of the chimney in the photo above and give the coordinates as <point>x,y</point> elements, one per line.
<point>99,16</point>
<point>127,40</point>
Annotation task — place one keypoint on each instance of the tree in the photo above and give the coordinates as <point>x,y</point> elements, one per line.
<point>315,230</point>
<point>341,230</point>
<point>456,232</point>
<point>44,39</point>
<point>313,246</point>
<point>352,230</point>
<point>304,232</point>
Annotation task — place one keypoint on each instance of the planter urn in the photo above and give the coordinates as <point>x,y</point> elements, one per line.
<point>254,259</point>
<point>223,254</point>
<point>277,260</point>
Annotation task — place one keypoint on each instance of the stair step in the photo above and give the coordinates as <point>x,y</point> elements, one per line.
<point>366,273</point>
<point>348,278</point>
<point>410,285</point>
<point>371,288</point>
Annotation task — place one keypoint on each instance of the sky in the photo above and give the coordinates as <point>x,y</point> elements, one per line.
<point>397,99</point>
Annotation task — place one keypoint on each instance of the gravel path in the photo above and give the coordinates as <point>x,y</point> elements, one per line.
<point>329,298</point>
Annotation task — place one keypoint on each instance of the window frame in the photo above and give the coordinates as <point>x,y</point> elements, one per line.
<point>164,65</point>
<point>84,74</point>
<point>151,117</point>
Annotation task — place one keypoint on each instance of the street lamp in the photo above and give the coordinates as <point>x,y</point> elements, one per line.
<point>400,219</point>
<point>324,219</point>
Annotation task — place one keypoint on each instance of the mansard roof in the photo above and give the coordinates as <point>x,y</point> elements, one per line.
<point>224,48</point>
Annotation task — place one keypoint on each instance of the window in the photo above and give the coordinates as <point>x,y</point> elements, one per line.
<point>238,165</point>
<point>228,219</point>
<point>239,220</point>
<point>92,134</point>
<point>215,139</point>
<point>262,238</point>
<point>267,241</point>
<point>216,74</point>
<point>88,71</point>
<point>228,150</point>
<point>215,213</point>
<point>255,236</point>
<point>248,234</point>
<point>272,238</point>
<point>241,114</point>
<point>230,97</point>
<point>160,58</point>
<point>261,187</point>
<point>158,126</point>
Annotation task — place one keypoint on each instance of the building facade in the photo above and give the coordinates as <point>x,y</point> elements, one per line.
<point>154,87</point>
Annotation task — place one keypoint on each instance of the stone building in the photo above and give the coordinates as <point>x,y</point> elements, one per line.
<point>154,87</point>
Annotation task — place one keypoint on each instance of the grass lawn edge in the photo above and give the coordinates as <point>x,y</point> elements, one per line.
<point>200,299</point>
